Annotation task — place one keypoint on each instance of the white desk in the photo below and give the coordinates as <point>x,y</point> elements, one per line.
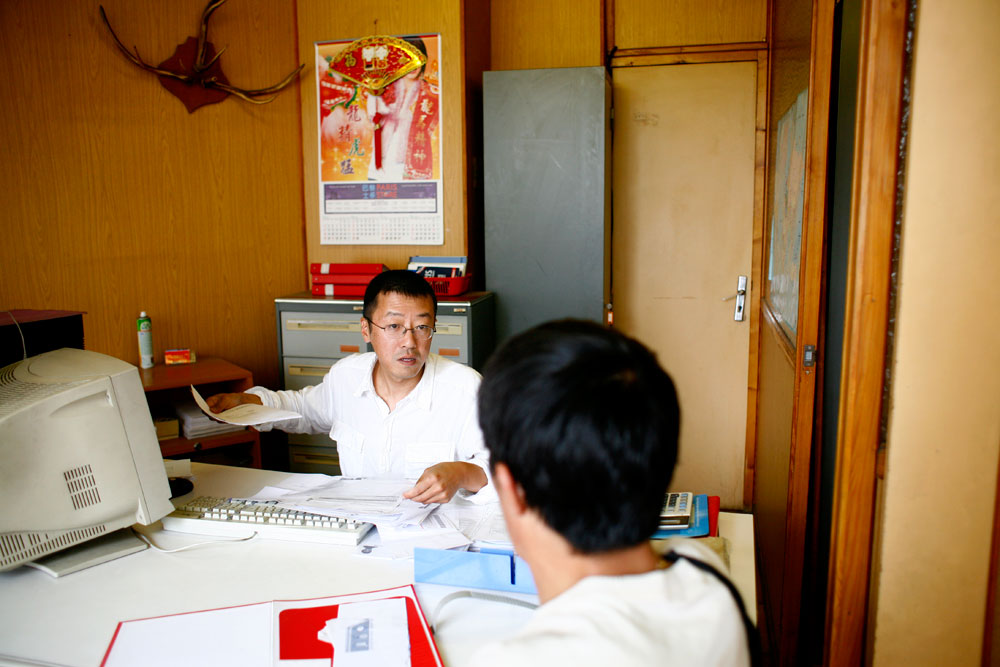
<point>70,620</point>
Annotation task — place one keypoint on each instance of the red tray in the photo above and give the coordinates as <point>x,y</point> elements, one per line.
<point>450,286</point>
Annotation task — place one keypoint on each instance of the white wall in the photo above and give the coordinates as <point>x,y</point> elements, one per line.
<point>944,433</point>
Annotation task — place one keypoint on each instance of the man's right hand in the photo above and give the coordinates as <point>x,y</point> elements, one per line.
<point>222,402</point>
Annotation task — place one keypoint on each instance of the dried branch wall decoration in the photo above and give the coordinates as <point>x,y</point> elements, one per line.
<point>194,73</point>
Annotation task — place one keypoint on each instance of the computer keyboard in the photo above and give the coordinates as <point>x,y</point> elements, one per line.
<point>243,517</point>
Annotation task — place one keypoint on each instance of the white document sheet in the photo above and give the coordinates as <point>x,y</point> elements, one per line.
<point>376,500</point>
<point>369,634</point>
<point>248,414</point>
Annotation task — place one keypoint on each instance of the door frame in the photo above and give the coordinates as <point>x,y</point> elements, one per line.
<point>870,259</point>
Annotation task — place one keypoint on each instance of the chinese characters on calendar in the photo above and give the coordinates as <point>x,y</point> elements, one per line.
<point>389,196</point>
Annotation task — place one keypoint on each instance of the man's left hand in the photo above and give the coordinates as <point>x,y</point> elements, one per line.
<point>441,482</point>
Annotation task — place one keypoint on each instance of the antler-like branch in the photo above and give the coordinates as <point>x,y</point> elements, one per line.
<point>252,95</point>
<point>136,58</point>
<point>199,62</point>
<point>200,67</point>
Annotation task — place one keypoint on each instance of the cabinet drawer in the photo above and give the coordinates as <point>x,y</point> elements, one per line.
<point>451,338</point>
<point>311,440</point>
<point>305,371</point>
<point>314,334</point>
<point>313,459</point>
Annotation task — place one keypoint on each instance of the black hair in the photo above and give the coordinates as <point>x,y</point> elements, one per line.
<point>398,281</point>
<point>586,421</point>
<point>417,43</point>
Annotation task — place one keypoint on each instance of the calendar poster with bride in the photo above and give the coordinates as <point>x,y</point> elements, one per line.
<point>380,141</point>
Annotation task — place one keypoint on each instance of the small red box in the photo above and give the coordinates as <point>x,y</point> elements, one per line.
<point>184,356</point>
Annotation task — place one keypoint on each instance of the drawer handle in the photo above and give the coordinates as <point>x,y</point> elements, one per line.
<point>322,325</point>
<point>350,348</point>
<point>448,352</point>
<point>313,371</point>
<point>315,458</point>
<point>448,329</point>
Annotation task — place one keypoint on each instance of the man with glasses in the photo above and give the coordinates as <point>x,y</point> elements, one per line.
<point>398,411</point>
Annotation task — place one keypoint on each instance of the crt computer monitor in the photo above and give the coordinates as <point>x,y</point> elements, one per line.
<point>79,458</point>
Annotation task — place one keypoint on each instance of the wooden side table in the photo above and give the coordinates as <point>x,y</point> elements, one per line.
<point>166,386</point>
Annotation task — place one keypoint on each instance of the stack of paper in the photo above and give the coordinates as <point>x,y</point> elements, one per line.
<point>196,424</point>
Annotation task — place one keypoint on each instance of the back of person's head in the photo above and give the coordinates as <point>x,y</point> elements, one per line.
<point>587,423</point>
<point>398,281</point>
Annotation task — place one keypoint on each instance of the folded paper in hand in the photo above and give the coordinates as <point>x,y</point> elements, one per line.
<point>248,414</point>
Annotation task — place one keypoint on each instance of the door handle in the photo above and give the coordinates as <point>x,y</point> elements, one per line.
<point>740,296</point>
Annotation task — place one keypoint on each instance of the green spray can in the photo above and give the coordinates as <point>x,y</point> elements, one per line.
<point>144,325</point>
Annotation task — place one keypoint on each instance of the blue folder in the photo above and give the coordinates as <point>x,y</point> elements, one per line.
<point>491,569</point>
<point>699,522</point>
<point>499,570</point>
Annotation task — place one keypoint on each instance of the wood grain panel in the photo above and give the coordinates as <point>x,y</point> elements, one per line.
<point>118,200</point>
<point>527,34</point>
<point>649,23</point>
<point>317,22</point>
<point>873,197</point>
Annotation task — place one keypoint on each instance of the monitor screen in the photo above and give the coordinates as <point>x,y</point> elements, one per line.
<point>79,458</point>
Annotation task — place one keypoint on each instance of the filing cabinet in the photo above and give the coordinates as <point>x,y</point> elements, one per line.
<point>314,332</point>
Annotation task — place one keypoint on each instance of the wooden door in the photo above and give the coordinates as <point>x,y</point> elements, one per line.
<point>799,106</point>
<point>684,217</point>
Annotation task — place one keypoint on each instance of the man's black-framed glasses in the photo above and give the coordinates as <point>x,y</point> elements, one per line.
<point>395,331</point>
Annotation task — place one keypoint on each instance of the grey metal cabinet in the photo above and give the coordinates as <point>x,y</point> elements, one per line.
<point>547,177</point>
<point>314,332</point>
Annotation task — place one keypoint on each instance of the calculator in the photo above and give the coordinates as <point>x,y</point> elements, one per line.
<point>677,510</point>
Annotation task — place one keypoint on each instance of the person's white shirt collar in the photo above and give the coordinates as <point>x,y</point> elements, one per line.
<point>421,394</point>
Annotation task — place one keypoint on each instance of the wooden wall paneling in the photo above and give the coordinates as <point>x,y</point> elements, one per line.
<point>686,56</point>
<point>641,24</point>
<point>560,33</point>
<point>476,22</point>
<point>119,200</point>
<point>318,21</point>
<point>883,31</point>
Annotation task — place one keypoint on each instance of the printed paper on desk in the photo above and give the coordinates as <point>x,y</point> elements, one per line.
<point>248,414</point>
<point>369,634</point>
<point>377,500</point>
<point>305,630</point>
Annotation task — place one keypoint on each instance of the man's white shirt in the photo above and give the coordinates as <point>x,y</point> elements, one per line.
<point>436,422</point>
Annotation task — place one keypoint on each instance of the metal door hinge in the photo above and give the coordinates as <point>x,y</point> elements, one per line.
<point>809,356</point>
